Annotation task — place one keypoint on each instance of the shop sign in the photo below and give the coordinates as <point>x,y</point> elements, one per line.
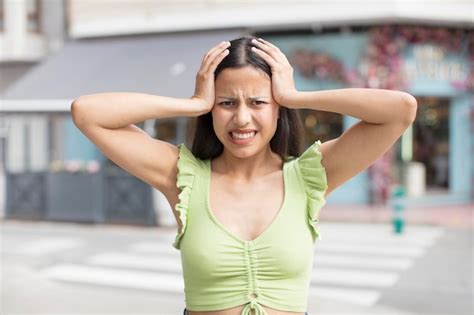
<point>430,62</point>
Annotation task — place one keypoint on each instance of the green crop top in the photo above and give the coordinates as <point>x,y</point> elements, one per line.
<point>223,271</point>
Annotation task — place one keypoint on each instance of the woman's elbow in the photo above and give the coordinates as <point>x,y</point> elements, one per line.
<point>76,112</point>
<point>410,108</point>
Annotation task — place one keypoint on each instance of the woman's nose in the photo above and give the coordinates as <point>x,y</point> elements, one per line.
<point>243,115</point>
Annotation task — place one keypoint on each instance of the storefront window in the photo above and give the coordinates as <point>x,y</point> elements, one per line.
<point>320,125</point>
<point>430,141</point>
<point>431,134</point>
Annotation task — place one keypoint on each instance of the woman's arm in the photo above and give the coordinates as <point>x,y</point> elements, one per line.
<point>374,106</point>
<point>384,114</point>
<point>116,110</point>
<point>120,109</point>
<point>108,120</point>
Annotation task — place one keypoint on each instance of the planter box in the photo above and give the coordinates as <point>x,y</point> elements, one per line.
<point>25,196</point>
<point>74,197</point>
<point>127,199</point>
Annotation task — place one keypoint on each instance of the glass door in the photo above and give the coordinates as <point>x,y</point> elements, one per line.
<point>427,142</point>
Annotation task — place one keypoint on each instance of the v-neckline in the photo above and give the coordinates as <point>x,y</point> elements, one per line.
<point>224,228</point>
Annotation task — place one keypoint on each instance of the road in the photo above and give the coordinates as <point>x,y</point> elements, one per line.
<point>359,268</point>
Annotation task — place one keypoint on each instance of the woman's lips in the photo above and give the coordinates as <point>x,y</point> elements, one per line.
<point>242,141</point>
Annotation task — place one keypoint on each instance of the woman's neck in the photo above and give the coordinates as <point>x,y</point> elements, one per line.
<point>249,168</point>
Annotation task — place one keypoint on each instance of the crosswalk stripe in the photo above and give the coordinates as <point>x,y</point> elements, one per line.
<point>326,275</point>
<point>345,247</point>
<point>368,237</point>
<point>47,246</point>
<point>113,259</point>
<point>355,238</point>
<point>154,248</point>
<point>354,277</point>
<point>356,296</point>
<point>362,262</point>
<point>173,264</point>
<point>174,283</point>
<point>326,245</point>
<point>352,264</point>
<point>116,278</point>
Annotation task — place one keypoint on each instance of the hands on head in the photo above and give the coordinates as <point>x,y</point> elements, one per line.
<point>282,72</point>
<point>204,92</point>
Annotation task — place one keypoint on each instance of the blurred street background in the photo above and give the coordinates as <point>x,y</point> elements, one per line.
<point>81,236</point>
<point>359,268</point>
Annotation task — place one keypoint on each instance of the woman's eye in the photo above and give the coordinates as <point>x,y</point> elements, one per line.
<point>228,103</point>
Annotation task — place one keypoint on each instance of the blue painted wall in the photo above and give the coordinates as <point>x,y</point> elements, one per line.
<point>348,49</point>
<point>460,136</point>
<point>451,62</point>
<point>77,146</point>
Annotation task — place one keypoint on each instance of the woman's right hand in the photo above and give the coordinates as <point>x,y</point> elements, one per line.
<point>204,93</point>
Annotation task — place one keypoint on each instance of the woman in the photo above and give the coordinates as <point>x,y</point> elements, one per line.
<point>245,200</point>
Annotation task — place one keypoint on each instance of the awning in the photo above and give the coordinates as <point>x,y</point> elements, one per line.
<point>164,64</point>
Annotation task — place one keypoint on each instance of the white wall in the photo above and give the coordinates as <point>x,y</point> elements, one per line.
<point>89,18</point>
<point>16,42</point>
<point>27,143</point>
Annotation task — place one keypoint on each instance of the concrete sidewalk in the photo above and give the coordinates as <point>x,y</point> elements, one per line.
<point>454,216</point>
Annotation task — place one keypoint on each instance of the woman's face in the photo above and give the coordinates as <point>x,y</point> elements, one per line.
<point>244,103</point>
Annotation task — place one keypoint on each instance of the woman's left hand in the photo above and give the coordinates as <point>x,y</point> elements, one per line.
<point>283,85</point>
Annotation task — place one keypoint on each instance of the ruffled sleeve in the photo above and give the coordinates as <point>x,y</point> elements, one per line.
<point>315,181</point>
<point>186,165</point>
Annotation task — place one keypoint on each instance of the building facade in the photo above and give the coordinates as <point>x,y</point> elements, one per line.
<point>433,159</point>
<point>81,48</point>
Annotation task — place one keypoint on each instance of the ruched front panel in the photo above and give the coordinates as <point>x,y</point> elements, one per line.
<point>223,271</point>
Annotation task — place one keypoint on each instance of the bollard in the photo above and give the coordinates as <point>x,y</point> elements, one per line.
<point>398,207</point>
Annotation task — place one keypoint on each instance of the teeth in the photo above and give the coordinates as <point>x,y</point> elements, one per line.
<point>243,135</point>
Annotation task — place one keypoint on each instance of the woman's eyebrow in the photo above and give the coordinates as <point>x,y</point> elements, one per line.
<point>233,98</point>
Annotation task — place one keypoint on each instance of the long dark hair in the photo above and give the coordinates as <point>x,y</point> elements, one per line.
<point>288,139</point>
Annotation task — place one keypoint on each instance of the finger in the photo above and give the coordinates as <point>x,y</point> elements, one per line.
<point>265,45</point>
<point>216,50</point>
<point>272,50</point>
<point>217,60</point>
<point>268,43</point>
<point>211,63</point>
<point>265,56</point>
<point>206,66</point>
<point>216,47</point>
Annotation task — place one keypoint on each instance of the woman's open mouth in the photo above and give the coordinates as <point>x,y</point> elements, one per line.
<point>242,138</point>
